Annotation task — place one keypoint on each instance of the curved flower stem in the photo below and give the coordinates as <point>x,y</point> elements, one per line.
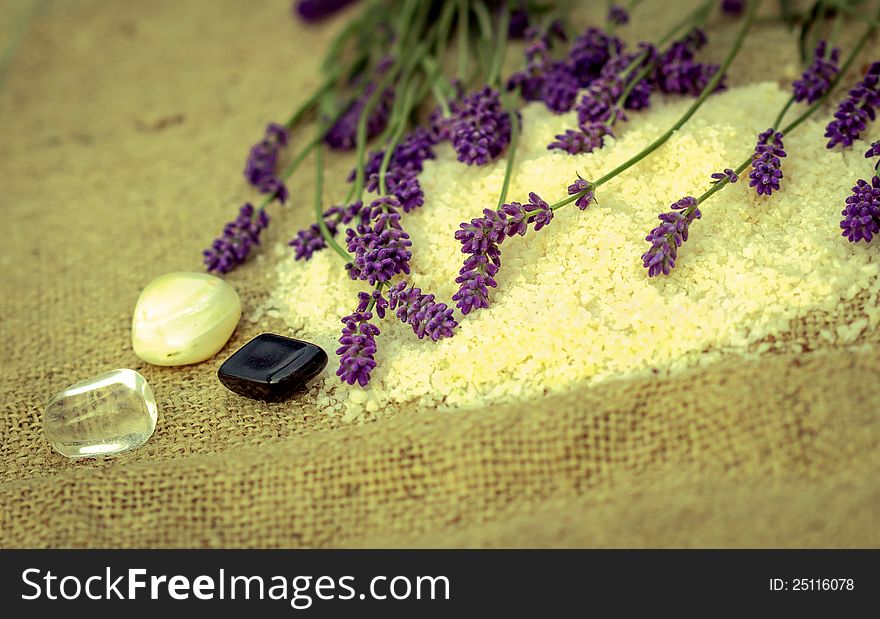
<point>319,201</point>
<point>493,79</point>
<point>399,121</point>
<point>796,122</point>
<point>372,301</point>
<point>709,89</point>
<point>693,19</point>
<point>511,150</point>
<point>463,34</point>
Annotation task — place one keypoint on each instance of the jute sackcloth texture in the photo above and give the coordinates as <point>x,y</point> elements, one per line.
<point>125,126</point>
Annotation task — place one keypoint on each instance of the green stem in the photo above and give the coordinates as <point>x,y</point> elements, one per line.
<point>795,123</point>
<point>854,12</point>
<point>372,301</point>
<point>708,90</point>
<point>319,202</point>
<point>511,152</point>
<point>692,20</point>
<point>463,35</point>
<point>399,119</point>
<point>500,49</point>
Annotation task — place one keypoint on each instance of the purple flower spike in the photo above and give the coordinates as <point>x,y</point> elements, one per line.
<point>343,134</point>
<point>308,241</point>
<point>579,186</point>
<point>357,353</point>
<point>666,238</point>
<point>421,312</point>
<point>481,239</point>
<point>573,142</point>
<point>617,15</point>
<point>480,129</point>
<point>239,236</point>
<point>729,174</point>
<point>816,80</point>
<point>874,151</point>
<point>539,211</point>
<point>766,164</point>
<point>260,167</point>
<point>379,244</point>
<point>854,112</point>
<point>678,73</point>
<point>560,87</point>
<point>590,52</point>
<point>861,217</point>
<point>317,10</point>
<point>734,8</point>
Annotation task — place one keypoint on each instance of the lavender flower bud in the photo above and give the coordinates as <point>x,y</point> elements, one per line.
<point>379,243</point>
<point>729,174</point>
<point>854,112</point>
<point>343,134</point>
<point>239,236</point>
<point>260,166</point>
<point>421,312</point>
<point>666,238</point>
<point>766,164</point>
<point>579,186</point>
<point>480,129</point>
<point>861,217</point>
<point>358,348</point>
<point>617,15</point>
<point>816,79</point>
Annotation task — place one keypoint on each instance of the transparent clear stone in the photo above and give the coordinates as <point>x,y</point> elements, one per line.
<point>102,416</point>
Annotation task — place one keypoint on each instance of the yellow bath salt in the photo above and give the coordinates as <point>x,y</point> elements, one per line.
<point>574,303</point>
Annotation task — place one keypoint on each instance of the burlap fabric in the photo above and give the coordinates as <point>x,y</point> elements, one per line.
<point>124,130</point>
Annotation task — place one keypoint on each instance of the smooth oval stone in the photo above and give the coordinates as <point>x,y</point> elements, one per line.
<point>272,367</point>
<point>183,318</point>
<point>102,416</point>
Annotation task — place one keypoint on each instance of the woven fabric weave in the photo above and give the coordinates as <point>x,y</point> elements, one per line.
<point>125,130</point>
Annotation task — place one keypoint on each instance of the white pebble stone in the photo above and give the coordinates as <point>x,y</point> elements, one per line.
<point>102,416</point>
<point>183,318</point>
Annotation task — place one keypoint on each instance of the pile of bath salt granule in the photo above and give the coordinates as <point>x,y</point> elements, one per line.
<point>574,303</point>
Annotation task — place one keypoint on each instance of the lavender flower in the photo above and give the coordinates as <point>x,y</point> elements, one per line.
<point>481,239</point>
<point>599,102</point>
<point>579,186</point>
<point>861,217</point>
<point>308,241</point>
<point>666,238</point>
<point>260,166</point>
<point>519,23</point>
<point>343,134</point>
<point>560,87</point>
<point>421,312</point>
<point>854,112</point>
<point>729,174</point>
<point>357,353</point>
<point>480,128</point>
<point>379,243</point>
<point>766,165</point>
<point>574,142</point>
<point>817,78</point>
<point>874,151</point>
<point>530,81</point>
<point>678,73</point>
<point>317,10</point>
<point>590,52</point>
<point>617,15</point>
<point>734,8</point>
<point>239,236</point>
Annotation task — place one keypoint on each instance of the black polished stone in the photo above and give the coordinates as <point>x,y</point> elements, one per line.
<point>272,367</point>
